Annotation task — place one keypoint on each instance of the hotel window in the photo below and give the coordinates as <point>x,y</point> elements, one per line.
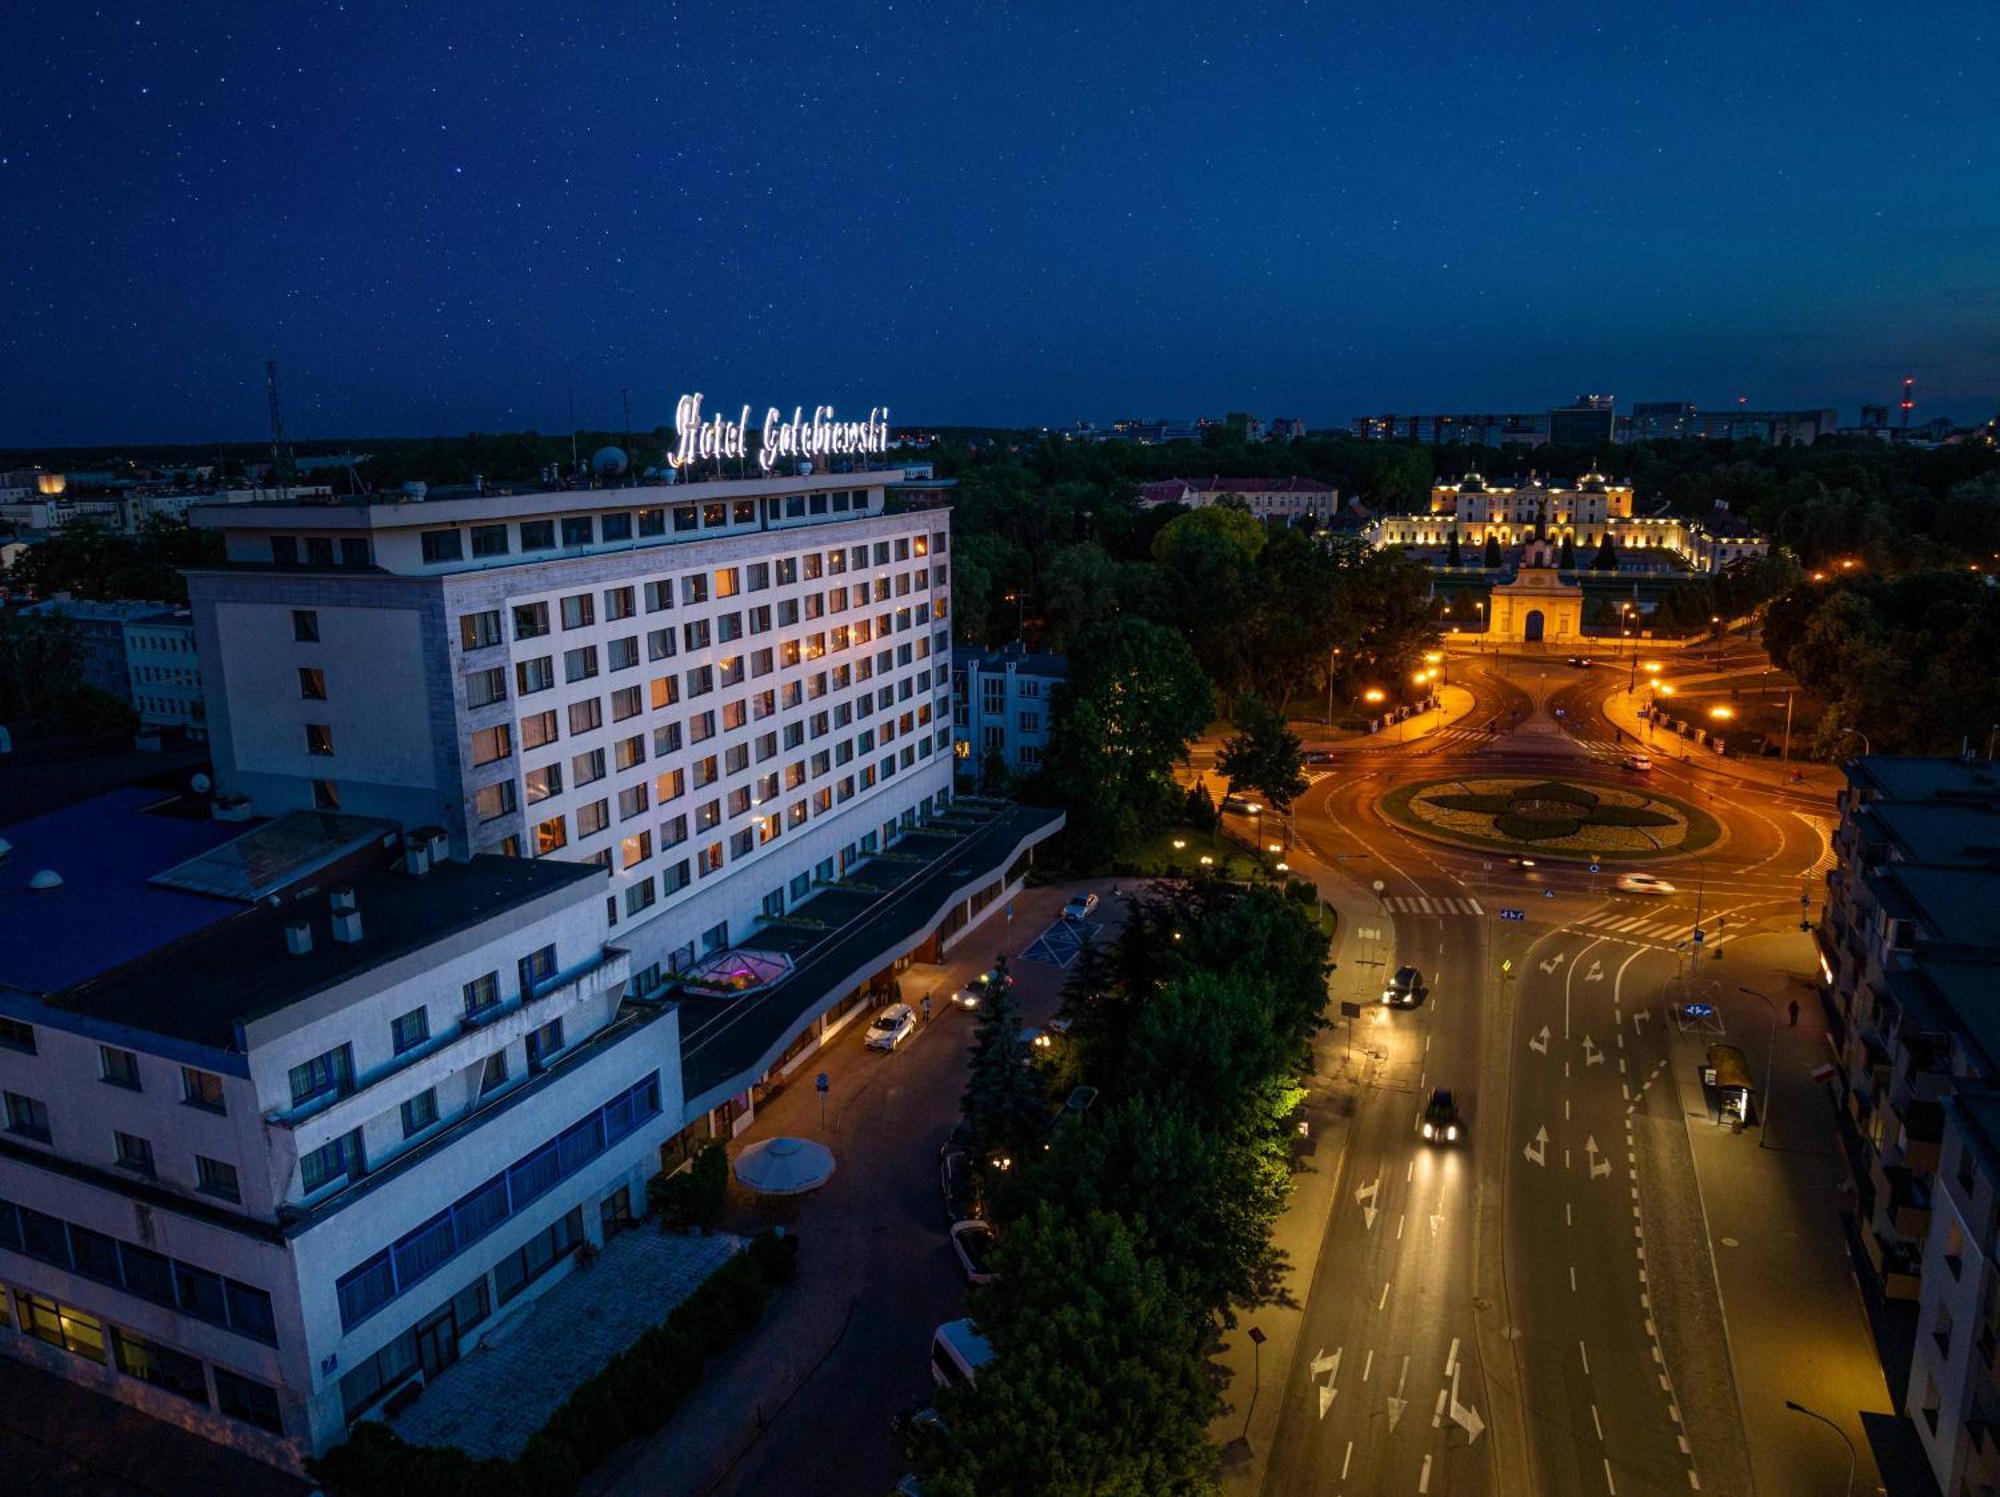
<point>745,511</point>
<point>731,668</point>
<point>652,522</point>
<point>538,730</point>
<point>481,994</point>
<point>202,1089</point>
<point>420,1112</point>
<point>543,782</point>
<point>249,1401</point>
<point>550,836</point>
<point>708,815</point>
<point>327,1074</point>
<point>638,896</point>
<point>494,1075</point>
<point>631,802</point>
<point>484,688</point>
<point>476,631</point>
<point>728,627</point>
<point>760,576</point>
<point>335,1160</point>
<point>442,545</point>
<point>490,745</point>
<point>762,662</point>
<point>491,802</point>
<point>546,1041</point>
<point>214,1178</point>
<point>659,644</point>
<point>117,1067</point>
<point>531,676</point>
<point>579,611</point>
<point>407,1031</point>
<point>694,588</point>
<point>635,849</point>
<point>673,831</point>
<point>489,540</point>
<point>586,768</point>
<point>713,514</point>
<point>700,681</point>
<point>28,1117</point>
<point>161,1366</point>
<point>695,634</point>
<point>618,604</point>
<point>538,535</point>
<point>618,527</point>
<point>586,716</point>
<point>674,879</point>
<point>14,1035</point>
<point>593,818</point>
<point>627,701</point>
<point>623,654</point>
<point>578,530</point>
<point>741,843</point>
<point>517,1270</point>
<point>708,860</point>
<point>312,683</point>
<point>531,620</point>
<point>760,619</point>
<point>704,772</point>
<point>628,753</point>
<point>685,517</point>
<point>319,740</point>
<point>580,664</point>
<point>795,506</point>
<point>728,582</point>
<point>75,1332</point>
<point>734,715</point>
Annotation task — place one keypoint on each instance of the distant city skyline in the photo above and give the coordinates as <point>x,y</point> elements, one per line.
<point>436,224</point>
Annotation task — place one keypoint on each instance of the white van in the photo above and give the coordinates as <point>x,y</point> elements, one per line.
<point>958,1351</point>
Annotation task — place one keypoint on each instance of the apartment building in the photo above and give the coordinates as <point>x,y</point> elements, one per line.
<point>1954,1387</point>
<point>295,1113</point>
<point>1001,705</point>
<point>141,653</point>
<point>1910,956</point>
<point>1288,499</point>
<point>679,685</point>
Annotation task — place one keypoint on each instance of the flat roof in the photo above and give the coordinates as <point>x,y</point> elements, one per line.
<point>228,972</point>
<point>107,909</point>
<point>275,855</point>
<point>393,512</point>
<point>1942,832</point>
<point>1957,903</point>
<point>1908,777</point>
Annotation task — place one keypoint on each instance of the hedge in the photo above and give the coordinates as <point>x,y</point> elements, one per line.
<point>1535,828</point>
<point>630,1396</point>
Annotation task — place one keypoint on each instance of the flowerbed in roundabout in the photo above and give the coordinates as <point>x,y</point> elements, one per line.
<point>1552,816</point>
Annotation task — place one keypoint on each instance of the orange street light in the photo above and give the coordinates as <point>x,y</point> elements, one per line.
<point>1373,694</point>
<point>1721,714</point>
<point>1179,843</point>
<point>1433,657</point>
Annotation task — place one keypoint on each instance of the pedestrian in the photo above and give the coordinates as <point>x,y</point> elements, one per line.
<point>927,1009</point>
<point>1794,1010</point>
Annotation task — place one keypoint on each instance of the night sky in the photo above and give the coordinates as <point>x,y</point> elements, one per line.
<point>431,214</point>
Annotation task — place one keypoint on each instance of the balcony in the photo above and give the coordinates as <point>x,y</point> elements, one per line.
<point>1902,1203</point>
<point>1896,1264</point>
<point>474,1038</point>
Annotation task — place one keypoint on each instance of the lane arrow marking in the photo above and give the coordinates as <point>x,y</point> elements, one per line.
<point>1323,1364</point>
<point>1596,973</point>
<point>1326,1398</point>
<point>1600,1167</point>
<point>1592,1056</point>
<point>1554,962</point>
<point>1537,1152</point>
<point>1540,1043</point>
<point>1364,1197</point>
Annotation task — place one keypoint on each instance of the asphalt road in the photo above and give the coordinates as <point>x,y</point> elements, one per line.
<point>1533,1311</point>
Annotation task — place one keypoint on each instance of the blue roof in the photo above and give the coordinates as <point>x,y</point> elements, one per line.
<point>107,912</point>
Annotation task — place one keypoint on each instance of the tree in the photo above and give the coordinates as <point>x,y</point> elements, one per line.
<point>1005,1111</point>
<point>1098,1386</point>
<point>1566,558</point>
<point>1492,558</point>
<point>1606,559</point>
<point>1265,756</point>
<point>1198,810</point>
<point>1079,590</point>
<point>1134,699</point>
<point>1451,556</point>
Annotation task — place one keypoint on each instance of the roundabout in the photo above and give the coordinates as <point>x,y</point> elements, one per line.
<point>1551,816</point>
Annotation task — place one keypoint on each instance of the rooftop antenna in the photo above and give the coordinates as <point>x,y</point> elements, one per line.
<point>1909,399</point>
<point>625,394</point>
<point>281,452</point>
<point>569,381</point>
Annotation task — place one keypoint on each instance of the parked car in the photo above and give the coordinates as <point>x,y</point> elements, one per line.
<point>1638,763</point>
<point>1080,906</point>
<point>892,1026</point>
<point>1643,883</point>
<point>955,1183</point>
<point>1440,1124</point>
<point>1406,988</point>
<point>972,1243</point>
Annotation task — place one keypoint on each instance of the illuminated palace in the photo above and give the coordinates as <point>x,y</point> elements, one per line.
<point>1583,515</point>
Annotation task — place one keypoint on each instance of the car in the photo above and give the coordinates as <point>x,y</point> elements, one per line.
<point>1406,988</point>
<point>972,1244</point>
<point>1520,862</point>
<point>1582,662</point>
<point>1440,1123</point>
<point>1080,906</point>
<point>1643,883</point>
<point>976,992</point>
<point>955,1183</point>
<point>1036,1041</point>
<point>1318,756</point>
<point>1637,763</point>
<point>1242,805</point>
<point>892,1026</point>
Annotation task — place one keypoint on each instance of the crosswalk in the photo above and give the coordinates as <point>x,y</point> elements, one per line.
<point>1645,927</point>
<point>1419,904</point>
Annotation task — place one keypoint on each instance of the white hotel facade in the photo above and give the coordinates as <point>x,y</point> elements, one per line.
<point>722,693</point>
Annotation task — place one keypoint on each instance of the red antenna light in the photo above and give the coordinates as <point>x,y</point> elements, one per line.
<point>1909,400</point>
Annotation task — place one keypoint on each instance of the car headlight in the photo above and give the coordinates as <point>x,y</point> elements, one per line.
<point>1427,1130</point>
<point>1451,1133</point>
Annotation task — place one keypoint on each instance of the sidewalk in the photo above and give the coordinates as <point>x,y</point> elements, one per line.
<point>1773,1209</point>
<point>1455,704</point>
<point>1621,710</point>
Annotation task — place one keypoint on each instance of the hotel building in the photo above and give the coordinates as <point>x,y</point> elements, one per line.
<point>721,693</point>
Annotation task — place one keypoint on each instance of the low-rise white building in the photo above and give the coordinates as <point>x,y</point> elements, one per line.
<point>1002,703</point>
<point>1288,499</point>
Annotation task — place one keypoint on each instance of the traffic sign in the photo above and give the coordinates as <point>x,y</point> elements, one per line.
<point>1699,935</point>
<point>1594,868</point>
<point>1506,965</point>
<point>820,1083</point>
<point>1513,915</point>
<point>1548,894</point>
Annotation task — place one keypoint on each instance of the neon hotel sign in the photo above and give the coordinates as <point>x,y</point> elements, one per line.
<point>803,437</point>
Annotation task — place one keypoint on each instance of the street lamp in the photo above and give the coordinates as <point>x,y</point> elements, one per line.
<point>1770,1053</point>
<point>1865,749</point>
<point>1799,1408</point>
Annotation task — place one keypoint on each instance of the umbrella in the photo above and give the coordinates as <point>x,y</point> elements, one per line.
<point>784,1166</point>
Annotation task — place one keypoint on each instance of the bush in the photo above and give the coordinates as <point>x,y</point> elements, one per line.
<point>631,1396</point>
<point>695,1196</point>
<point>1629,816</point>
<point>1535,828</point>
<point>1575,795</point>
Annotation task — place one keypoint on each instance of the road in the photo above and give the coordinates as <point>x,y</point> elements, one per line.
<point>1533,1311</point>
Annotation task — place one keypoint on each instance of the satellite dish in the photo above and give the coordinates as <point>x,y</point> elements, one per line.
<point>46,881</point>
<point>200,784</point>
<point>609,462</point>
